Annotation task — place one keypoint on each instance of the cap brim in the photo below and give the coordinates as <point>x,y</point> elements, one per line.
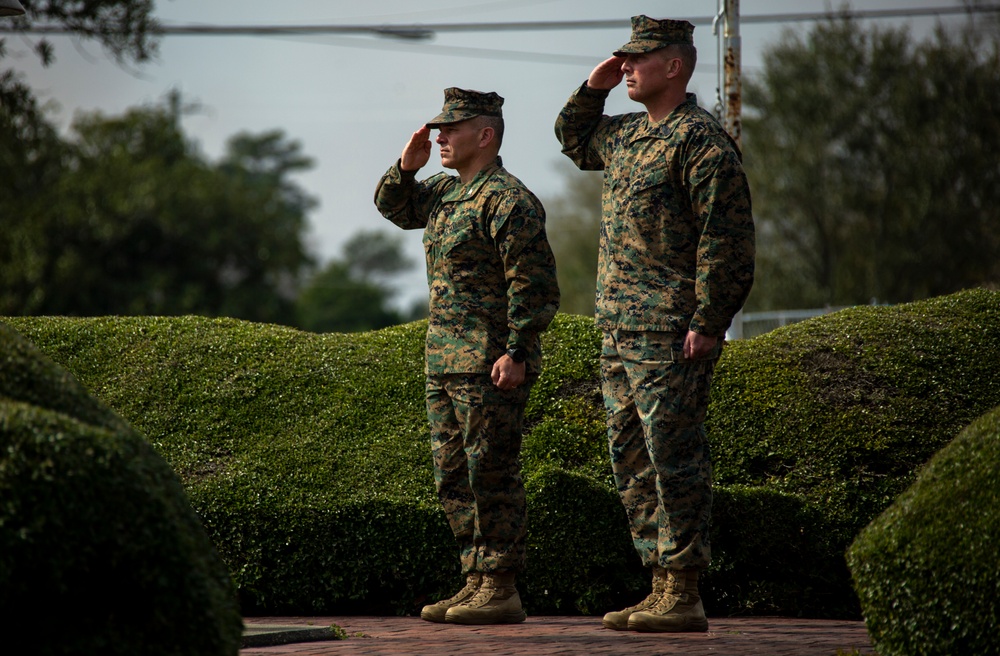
<point>445,118</point>
<point>636,47</point>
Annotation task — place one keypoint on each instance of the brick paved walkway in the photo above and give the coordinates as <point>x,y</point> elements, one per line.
<point>744,636</point>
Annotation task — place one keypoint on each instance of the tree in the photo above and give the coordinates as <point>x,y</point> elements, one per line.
<point>125,28</point>
<point>374,256</point>
<point>354,293</point>
<point>872,162</point>
<point>138,222</point>
<point>334,301</point>
<point>573,224</point>
<point>31,152</point>
<point>266,225</point>
<point>31,163</point>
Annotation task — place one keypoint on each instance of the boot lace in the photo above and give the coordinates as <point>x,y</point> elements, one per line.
<point>471,586</point>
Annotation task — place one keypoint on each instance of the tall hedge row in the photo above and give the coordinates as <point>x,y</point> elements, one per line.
<point>307,455</point>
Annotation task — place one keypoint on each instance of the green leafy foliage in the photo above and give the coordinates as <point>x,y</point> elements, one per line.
<point>334,301</point>
<point>843,409</point>
<point>776,553</point>
<point>352,293</point>
<point>307,454</point>
<point>573,221</point>
<point>100,550</point>
<point>135,221</point>
<point>125,28</point>
<point>580,557</point>
<point>926,569</point>
<point>871,159</point>
<point>33,158</point>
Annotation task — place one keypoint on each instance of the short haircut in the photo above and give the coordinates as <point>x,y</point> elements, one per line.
<point>687,53</point>
<point>495,122</point>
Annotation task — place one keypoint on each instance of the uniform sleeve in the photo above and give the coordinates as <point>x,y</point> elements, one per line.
<point>720,195</point>
<point>585,133</point>
<point>403,200</point>
<point>518,228</point>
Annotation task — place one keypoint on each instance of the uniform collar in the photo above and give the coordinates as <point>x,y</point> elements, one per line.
<point>467,191</point>
<point>669,122</point>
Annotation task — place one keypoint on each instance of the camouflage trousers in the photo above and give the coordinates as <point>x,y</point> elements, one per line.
<point>476,446</point>
<point>656,404</point>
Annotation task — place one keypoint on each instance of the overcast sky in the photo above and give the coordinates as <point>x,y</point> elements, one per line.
<point>353,101</point>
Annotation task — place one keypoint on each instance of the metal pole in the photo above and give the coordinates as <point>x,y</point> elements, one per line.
<point>733,63</point>
<point>734,102</point>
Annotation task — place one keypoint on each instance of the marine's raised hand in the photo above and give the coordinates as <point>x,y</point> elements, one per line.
<point>417,151</point>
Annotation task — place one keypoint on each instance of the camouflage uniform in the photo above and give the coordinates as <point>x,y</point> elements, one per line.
<point>493,287</point>
<point>676,254</point>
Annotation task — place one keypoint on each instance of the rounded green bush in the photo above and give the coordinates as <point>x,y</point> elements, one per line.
<point>100,551</point>
<point>775,553</point>
<point>843,409</point>
<point>926,569</point>
<point>580,557</point>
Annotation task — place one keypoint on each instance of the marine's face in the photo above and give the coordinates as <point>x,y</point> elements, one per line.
<point>646,74</point>
<point>459,143</point>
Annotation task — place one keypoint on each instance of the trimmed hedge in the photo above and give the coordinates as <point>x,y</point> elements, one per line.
<point>100,551</point>
<point>307,455</point>
<point>926,569</point>
<point>842,410</point>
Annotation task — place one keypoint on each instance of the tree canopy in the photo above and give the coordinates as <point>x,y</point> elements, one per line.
<point>872,160</point>
<point>127,217</point>
<point>125,28</point>
<point>573,225</point>
<point>354,293</point>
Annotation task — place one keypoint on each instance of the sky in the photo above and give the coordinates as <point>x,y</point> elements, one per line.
<point>352,101</point>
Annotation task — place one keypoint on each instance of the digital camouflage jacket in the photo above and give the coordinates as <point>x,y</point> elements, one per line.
<point>677,234</point>
<point>490,270</point>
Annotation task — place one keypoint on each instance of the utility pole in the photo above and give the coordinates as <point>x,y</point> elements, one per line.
<point>733,63</point>
<point>733,109</point>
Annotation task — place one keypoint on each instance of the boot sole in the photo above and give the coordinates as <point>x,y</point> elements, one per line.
<point>503,619</point>
<point>433,617</point>
<point>691,626</point>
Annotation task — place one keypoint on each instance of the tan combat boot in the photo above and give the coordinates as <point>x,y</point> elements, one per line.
<point>679,608</point>
<point>618,620</point>
<point>435,612</point>
<point>496,602</point>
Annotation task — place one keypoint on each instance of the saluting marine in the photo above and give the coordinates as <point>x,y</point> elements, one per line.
<point>493,289</point>
<point>676,263</point>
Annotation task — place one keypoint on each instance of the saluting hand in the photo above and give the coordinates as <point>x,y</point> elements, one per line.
<point>607,75</point>
<point>417,150</point>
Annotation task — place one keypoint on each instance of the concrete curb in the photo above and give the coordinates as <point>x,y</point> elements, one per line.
<point>269,635</point>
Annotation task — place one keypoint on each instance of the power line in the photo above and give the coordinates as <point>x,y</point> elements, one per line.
<point>419,31</point>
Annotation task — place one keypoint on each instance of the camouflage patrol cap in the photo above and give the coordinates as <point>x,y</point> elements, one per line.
<point>649,34</point>
<point>462,104</point>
